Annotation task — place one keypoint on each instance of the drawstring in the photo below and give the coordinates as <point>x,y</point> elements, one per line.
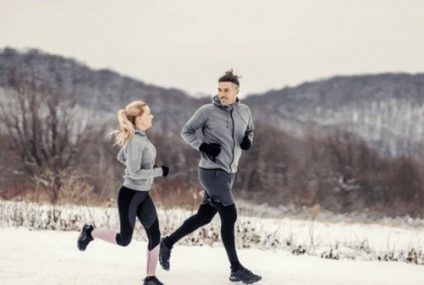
<point>227,120</point>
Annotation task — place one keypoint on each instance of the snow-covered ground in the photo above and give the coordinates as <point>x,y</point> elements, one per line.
<point>331,238</point>
<point>51,258</point>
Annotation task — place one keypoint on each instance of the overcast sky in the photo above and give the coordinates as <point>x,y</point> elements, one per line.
<point>188,44</point>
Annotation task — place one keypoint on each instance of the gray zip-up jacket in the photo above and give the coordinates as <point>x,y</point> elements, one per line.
<point>224,125</point>
<point>138,155</point>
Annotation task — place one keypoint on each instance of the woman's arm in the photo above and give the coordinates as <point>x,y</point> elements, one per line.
<point>121,155</point>
<point>135,149</point>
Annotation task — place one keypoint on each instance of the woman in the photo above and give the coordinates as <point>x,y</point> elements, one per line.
<point>138,155</point>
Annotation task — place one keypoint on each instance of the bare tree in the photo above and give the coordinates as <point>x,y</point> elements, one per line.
<point>41,128</point>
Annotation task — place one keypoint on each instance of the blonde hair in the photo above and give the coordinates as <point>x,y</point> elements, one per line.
<point>126,119</point>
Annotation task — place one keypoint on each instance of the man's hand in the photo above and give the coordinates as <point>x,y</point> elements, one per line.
<point>245,143</point>
<point>210,149</point>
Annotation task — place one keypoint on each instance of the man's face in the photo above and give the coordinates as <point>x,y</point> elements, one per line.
<point>227,93</point>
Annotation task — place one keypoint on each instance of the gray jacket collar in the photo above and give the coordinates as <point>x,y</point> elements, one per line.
<point>140,132</point>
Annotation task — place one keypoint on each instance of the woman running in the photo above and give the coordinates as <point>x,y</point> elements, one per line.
<point>138,155</point>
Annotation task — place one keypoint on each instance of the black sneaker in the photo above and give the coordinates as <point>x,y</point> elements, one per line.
<point>152,280</point>
<point>244,275</point>
<point>164,255</point>
<point>85,237</point>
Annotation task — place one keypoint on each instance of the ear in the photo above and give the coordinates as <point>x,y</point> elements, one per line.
<point>235,87</point>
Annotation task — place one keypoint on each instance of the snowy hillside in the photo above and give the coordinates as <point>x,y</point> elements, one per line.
<point>381,108</point>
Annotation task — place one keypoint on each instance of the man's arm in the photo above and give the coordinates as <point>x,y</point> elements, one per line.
<point>250,127</point>
<point>248,135</point>
<point>196,122</point>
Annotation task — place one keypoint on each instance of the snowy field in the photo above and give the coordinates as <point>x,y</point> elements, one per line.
<point>38,246</point>
<point>328,236</point>
<point>51,258</point>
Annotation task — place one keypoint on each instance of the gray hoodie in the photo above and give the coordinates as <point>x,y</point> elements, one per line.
<point>139,155</point>
<point>224,125</point>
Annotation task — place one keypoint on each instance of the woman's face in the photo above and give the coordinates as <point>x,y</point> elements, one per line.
<point>144,121</point>
<point>227,93</point>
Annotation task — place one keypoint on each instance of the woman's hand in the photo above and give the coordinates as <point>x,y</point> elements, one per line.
<point>165,170</point>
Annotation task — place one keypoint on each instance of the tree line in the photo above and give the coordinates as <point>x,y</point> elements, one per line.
<point>50,152</point>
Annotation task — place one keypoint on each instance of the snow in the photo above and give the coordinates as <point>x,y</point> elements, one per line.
<point>51,257</point>
<point>327,236</point>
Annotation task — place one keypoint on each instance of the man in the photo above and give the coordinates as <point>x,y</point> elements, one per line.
<point>227,128</point>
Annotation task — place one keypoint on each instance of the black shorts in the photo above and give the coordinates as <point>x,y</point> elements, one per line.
<point>217,184</point>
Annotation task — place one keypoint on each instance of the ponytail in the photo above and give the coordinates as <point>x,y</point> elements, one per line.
<point>126,119</point>
<point>126,128</point>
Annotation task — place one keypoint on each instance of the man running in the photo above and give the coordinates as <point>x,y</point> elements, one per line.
<point>227,128</point>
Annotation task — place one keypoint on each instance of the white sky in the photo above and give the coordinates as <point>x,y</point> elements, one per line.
<point>188,44</point>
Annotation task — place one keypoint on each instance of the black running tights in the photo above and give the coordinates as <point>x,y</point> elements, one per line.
<point>204,215</point>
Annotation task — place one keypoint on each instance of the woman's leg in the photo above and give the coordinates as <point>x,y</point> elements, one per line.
<point>147,215</point>
<point>128,201</point>
<point>106,235</point>
<point>153,234</point>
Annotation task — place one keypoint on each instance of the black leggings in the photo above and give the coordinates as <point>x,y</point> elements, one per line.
<point>132,203</point>
<point>204,215</point>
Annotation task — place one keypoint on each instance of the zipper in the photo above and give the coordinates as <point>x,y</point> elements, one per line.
<point>234,142</point>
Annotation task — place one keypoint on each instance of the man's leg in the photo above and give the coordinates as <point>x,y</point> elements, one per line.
<point>228,215</point>
<point>203,216</point>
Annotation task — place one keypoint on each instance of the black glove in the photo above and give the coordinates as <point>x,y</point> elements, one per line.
<point>245,143</point>
<point>210,149</point>
<point>165,170</point>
